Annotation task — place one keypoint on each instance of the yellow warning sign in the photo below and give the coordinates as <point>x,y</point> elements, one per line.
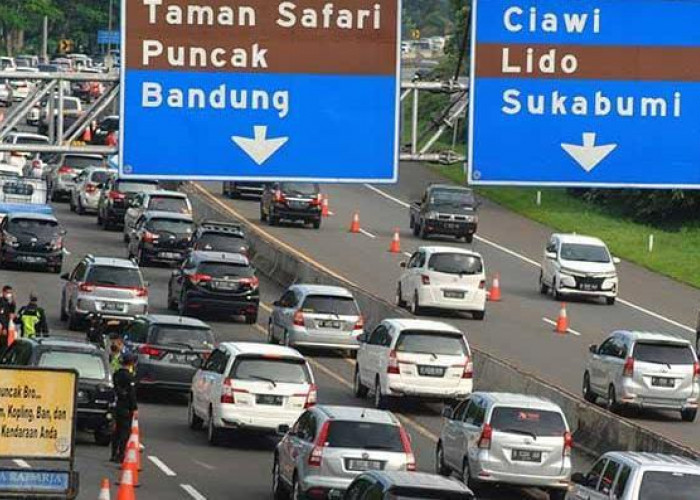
<point>37,410</point>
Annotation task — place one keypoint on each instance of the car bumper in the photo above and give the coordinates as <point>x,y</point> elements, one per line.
<point>568,286</point>
<point>256,420</point>
<point>94,419</point>
<point>235,305</point>
<point>474,300</point>
<point>324,486</point>
<point>307,215</point>
<point>163,375</point>
<point>632,395</point>
<point>437,391</point>
<point>88,305</point>
<point>167,255</point>
<point>483,473</point>
<point>340,340</point>
<point>89,202</point>
<point>115,214</point>
<point>450,228</point>
<point>14,256</point>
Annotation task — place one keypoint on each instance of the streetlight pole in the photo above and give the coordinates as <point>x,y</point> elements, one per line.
<point>109,27</point>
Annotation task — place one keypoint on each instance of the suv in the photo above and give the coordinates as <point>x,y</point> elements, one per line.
<point>72,111</point>
<point>31,239</point>
<point>24,161</point>
<point>218,281</point>
<point>170,349</point>
<point>232,189</point>
<point>380,485</point>
<point>443,278</point>
<point>291,201</point>
<point>95,399</point>
<point>329,445</point>
<point>160,237</point>
<point>408,357</point>
<point>501,438</point>
<point>115,197</point>
<point>215,236</point>
<point>646,370</point>
<point>156,201</point>
<point>316,316</point>
<point>85,193</point>
<point>244,385</point>
<point>578,265</point>
<point>66,167</point>
<point>445,210</point>
<point>630,475</point>
<point>105,285</point>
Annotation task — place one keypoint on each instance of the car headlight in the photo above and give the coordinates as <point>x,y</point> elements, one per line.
<point>11,240</point>
<point>431,215</point>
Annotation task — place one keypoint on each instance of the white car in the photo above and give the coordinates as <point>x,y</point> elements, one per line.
<point>155,201</point>
<point>20,159</point>
<point>580,266</point>
<point>245,385</point>
<point>443,278</point>
<point>85,193</point>
<point>413,358</point>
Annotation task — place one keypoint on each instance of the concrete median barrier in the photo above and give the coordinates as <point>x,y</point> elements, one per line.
<point>595,430</point>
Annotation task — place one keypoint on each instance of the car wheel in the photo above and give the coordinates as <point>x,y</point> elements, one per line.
<point>467,477</point>
<point>141,258</point>
<point>79,208</point>
<point>172,304</point>
<point>381,402</point>
<point>357,387</point>
<point>479,315</point>
<point>99,218</point>
<point>416,308</point>
<point>588,394</point>
<point>63,315</point>
<point>612,399</point>
<point>399,298</point>
<point>544,289</point>
<point>297,493</point>
<point>278,491</point>
<point>469,238</point>
<point>103,437</point>
<point>193,420</point>
<point>423,233</point>
<point>440,467</point>
<point>251,318</point>
<point>415,228</point>
<point>285,339</point>
<point>73,322</point>
<point>107,225</point>
<point>71,205</point>
<point>316,224</point>
<point>689,414</point>
<point>182,308</point>
<point>555,289</point>
<point>557,494</point>
<point>272,219</point>
<point>270,333</point>
<point>213,432</point>
<point>610,301</point>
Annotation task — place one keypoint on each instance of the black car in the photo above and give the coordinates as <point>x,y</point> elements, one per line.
<point>215,282</point>
<point>170,349</point>
<point>405,485</point>
<point>31,239</point>
<point>446,211</point>
<point>96,397</point>
<point>115,197</point>
<point>161,237</point>
<point>232,189</point>
<point>291,201</point>
<point>215,236</point>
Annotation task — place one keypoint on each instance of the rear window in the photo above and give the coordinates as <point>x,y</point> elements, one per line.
<point>168,204</point>
<point>665,354</point>
<point>528,421</point>
<point>364,435</point>
<point>669,486</point>
<point>196,338</point>
<point>136,187</point>
<point>298,188</point>
<point>114,276</point>
<point>222,269</point>
<point>32,227</point>
<point>174,226</point>
<point>399,493</point>
<point>280,370</point>
<point>443,343</point>
<point>100,177</point>
<point>220,243</point>
<point>455,263</point>
<point>32,140</point>
<point>328,304</point>
<point>81,162</point>
<point>88,365</point>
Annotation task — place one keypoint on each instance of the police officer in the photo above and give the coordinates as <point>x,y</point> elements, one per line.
<point>7,313</point>
<point>32,319</point>
<point>125,388</point>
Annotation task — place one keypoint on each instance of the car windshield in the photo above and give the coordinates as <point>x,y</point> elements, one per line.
<point>584,253</point>
<point>32,140</point>
<point>88,365</point>
<point>168,204</point>
<point>298,188</point>
<point>364,435</point>
<point>665,354</point>
<point>669,486</point>
<point>114,276</point>
<point>224,269</point>
<point>68,105</point>
<point>33,227</point>
<point>453,197</point>
<point>221,243</point>
<point>329,304</point>
<point>455,263</point>
<point>420,342</point>
<point>136,187</point>
<point>196,338</point>
<point>81,162</point>
<point>100,176</point>
<point>277,369</point>
<point>422,493</point>
<point>527,421</point>
<point>174,226</point>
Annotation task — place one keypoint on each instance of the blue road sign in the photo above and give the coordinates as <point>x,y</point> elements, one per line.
<point>585,93</point>
<point>106,37</point>
<point>269,91</point>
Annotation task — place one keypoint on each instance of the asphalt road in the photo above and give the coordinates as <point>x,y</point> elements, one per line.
<point>516,328</point>
<point>178,462</point>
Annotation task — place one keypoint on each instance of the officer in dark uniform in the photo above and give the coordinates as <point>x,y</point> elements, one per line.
<point>8,306</point>
<point>125,388</point>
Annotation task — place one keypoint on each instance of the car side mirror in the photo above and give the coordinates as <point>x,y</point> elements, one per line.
<point>593,349</point>
<point>402,265</point>
<point>447,412</point>
<point>282,429</point>
<point>64,277</point>
<point>551,255</point>
<point>616,260</point>
<point>578,478</point>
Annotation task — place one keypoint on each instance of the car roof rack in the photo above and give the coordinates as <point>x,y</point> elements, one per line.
<point>229,227</point>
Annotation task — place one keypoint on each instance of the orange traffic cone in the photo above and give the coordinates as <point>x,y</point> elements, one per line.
<point>131,463</point>
<point>135,439</point>
<point>562,321</point>
<point>104,490</point>
<point>355,225</point>
<point>87,134</point>
<point>494,295</point>
<point>395,246</point>
<point>11,333</point>
<point>325,211</point>
<point>126,486</point>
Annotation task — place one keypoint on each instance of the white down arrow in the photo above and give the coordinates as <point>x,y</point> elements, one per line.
<point>259,148</point>
<point>588,155</point>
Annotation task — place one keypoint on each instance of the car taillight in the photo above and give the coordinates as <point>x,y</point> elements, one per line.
<point>316,455</point>
<point>628,370</point>
<point>86,287</point>
<point>90,187</point>
<point>116,195</point>
<point>111,139</point>
<point>568,443</point>
<point>65,169</point>
<point>298,318</point>
<point>198,278</point>
<point>393,366</point>
<point>228,392</point>
<point>141,292</point>
<point>468,371</point>
<point>316,202</point>
<point>36,164</point>
<point>485,438</point>
<point>482,284</point>
<point>253,282</point>
<point>696,371</point>
<point>311,396</point>
<point>149,237</point>
<point>359,324</point>
<point>279,197</point>
<point>425,279</point>
<point>149,350</point>
<point>406,444</point>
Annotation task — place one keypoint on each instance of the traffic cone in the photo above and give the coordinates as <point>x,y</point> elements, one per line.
<point>87,134</point>
<point>494,295</point>
<point>355,225</point>
<point>126,486</point>
<point>325,212</point>
<point>562,321</point>
<point>130,463</point>
<point>135,439</point>
<point>11,333</point>
<point>395,246</point>
<point>104,490</point>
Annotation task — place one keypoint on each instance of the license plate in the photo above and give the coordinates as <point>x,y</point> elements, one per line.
<point>589,287</point>
<point>226,285</point>
<point>526,456</point>
<point>431,371</point>
<point>328,323</point>
<point>363,465</point>
<point>183,359</point>
<point>449,294</point>
<point>169,255</point>
<point>31,260</point>
<point>298,204</point>
<point>112,306</point>
<point>268,399</point>
<point>662,382</point>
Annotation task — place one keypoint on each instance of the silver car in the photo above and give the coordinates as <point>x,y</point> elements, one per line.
<point>644,370</point>
<point>329,445</point>
<point>316,316</point>
<point>105,285</point>
<point>85,194</point>
<point>502,438</point>
<point>64,170</point>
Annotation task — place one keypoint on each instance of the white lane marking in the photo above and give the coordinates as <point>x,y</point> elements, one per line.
<point>193,492</point>
<point>164,468</point>
<point>202,464</point>
<point>21,463</point>
<point>407,254</point>
<point>554,323</point>
<point>367,233</point>
<point>536,264</point>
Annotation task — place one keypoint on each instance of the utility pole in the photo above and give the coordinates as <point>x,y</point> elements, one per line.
<point>109,28</point>
<point>45,41</point>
